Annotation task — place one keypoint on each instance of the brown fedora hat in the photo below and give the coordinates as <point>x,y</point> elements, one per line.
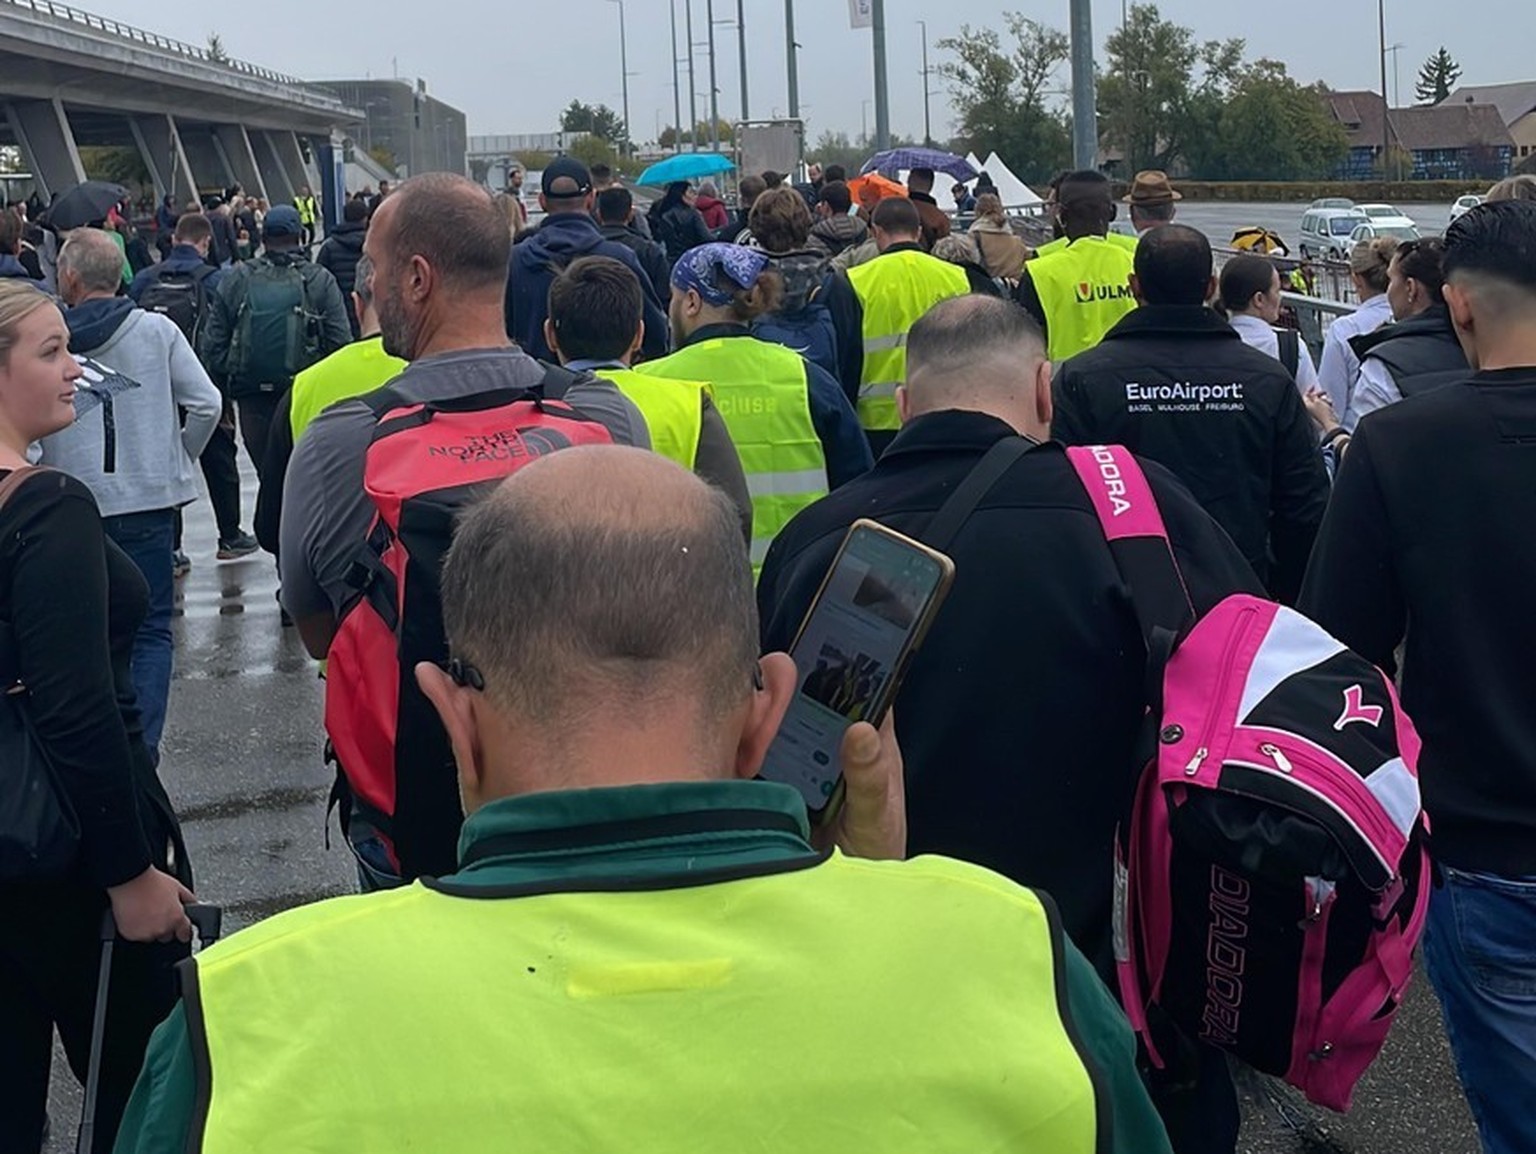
<point>1152,187</point>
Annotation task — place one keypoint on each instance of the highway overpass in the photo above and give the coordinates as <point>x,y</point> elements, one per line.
<point>69,78</point>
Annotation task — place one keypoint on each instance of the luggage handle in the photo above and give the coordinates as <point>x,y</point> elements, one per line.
<point>209,922</point>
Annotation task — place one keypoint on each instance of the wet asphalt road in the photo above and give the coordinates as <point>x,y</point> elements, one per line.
<point>242,761</point>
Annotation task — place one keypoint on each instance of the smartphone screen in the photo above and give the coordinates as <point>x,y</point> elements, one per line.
<point>873,609</point>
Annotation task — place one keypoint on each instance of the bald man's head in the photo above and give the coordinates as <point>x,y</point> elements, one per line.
<point>979,353</point>
<point>603,579</point>
<point>453,223</point>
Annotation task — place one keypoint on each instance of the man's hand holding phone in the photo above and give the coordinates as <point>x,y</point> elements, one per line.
<point>871,822</point>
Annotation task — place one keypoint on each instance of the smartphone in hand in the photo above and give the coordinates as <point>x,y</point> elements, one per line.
<point>872,612</point>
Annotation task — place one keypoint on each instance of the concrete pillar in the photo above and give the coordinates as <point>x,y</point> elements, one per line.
<point>41,129</point>
<point>208,165</point>
<point>291,155</point>
<point>159,143</point>
<point>280,187</point>
<point>236,146</point>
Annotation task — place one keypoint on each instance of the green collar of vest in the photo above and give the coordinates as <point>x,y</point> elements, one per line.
<point>639,836</point>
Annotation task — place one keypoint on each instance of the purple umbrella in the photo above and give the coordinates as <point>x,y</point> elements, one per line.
<point>900,159</point>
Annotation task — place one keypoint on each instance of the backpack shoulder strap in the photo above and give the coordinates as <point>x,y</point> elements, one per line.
<point>1290,349</point>
<point>558,381</point>
<point>16,479</point>
<point>956,511</point>
<point>1138,539</point>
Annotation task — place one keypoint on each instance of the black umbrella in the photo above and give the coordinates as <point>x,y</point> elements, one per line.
<point>85,204</point>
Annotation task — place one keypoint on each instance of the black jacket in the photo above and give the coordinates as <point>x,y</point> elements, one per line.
<point>679,229</point>
<point>339,255</point>
<point>652,257</point>
<point>1178,385</point>
<point>1019,717</point>
<point>1421,353</point>
<point>1431,524</point>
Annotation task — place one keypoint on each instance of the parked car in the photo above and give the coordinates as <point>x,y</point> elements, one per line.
<point>1382,211</point>
<point>1325,232</point>
<point>1332,202</point>
<point>1373,229</point>
<point>1464,205</point>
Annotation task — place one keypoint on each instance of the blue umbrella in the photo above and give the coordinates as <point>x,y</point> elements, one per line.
<point>686,166</point>
<point>902,159</point>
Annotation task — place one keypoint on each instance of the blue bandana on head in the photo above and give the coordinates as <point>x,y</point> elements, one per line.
<point>696,270</point>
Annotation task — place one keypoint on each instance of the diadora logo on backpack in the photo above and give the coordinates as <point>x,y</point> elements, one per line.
<point>1355,709</point>
<point>1087,293</point>
<point>507,445</point>
<point>1226,957</point>
<point>1114,482</point>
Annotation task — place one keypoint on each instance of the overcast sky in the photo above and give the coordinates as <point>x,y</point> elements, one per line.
<point>511,65</point>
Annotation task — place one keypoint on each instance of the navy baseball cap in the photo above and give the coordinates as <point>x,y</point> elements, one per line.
<point>565,178</point>
<point>282,220</point>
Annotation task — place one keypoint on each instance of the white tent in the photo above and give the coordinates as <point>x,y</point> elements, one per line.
<point>1013,191</point>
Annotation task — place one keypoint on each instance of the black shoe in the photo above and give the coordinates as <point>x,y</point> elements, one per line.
<point>181,564</point>
<point>242,545</point>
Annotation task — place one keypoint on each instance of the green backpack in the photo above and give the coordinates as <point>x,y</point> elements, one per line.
<point>276,331</point>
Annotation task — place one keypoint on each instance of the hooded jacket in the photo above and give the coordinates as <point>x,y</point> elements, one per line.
<point>652,257</point>
<point>714,212</point>
<point>838,233</point>
<point>1178,385</point>
<point>679,228</point>
<point>339,256</point>
<point>802,322</point>
<point>536,261</point>
<point>141,370</point>
<point>11,267</point>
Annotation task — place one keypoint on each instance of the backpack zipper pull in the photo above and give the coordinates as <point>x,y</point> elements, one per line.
<point>1277,755</point>
<point>1194,763</point>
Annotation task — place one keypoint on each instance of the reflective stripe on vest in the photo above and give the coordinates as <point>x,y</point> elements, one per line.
<point>761,391</point>
<point>673,411</point>
<point>791,1005</point>
<point>1084,289</point>
<point>350,371</point>
<point>895,290</point>
<point>305,207</point>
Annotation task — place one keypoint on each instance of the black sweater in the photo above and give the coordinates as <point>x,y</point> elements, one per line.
<point>74,601</point>
<point>1431,536</point>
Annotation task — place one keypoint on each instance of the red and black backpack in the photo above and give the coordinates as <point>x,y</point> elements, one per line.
<point>397,787</point>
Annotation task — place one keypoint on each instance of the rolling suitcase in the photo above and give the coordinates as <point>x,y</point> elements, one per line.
<point>208,921</point>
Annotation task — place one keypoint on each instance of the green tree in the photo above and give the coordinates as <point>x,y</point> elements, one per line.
<point>595,120</point>
<point>1145,93</point>
<point>591,149</point>
<point>123,166</point>
<point>1436,79</point>
<point>1001,93</point>
<point>216,51</point>
<point>838,148</point>
<point>1273,128</point>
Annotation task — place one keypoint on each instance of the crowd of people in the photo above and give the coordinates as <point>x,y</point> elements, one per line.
<point>654,429</point>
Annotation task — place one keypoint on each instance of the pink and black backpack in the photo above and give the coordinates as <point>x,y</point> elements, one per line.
<point>1272,879</point>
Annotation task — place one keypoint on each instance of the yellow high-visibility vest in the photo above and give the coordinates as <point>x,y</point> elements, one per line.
<point>1128,243</point>
<point>350,371</point>
<point>894,291</point>
<point>673,411</point>
<point>763,395</point>
<point>854,1007</point>
<point>1084,289</point>
<point>305,206</point>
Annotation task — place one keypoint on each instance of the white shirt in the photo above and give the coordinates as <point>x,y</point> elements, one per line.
<point>1340,367</point>
<point>1259,334</point>
<point>1374,389</point>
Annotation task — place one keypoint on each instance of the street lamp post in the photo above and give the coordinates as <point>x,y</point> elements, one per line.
<point>741,47</point>
<point>1386,107</point>
<point>624,69</point>
<point>693,87</point>
<point>714,87</point>
<point>927,92</point>
<point>677,85</point>
<point>790,50</point>
<point>882,85</point>
<point>1085,116</point>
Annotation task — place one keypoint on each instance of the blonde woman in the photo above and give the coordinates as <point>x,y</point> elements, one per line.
<point>1002,253</point>
<point>71,602</point>
<point>1369,265</point>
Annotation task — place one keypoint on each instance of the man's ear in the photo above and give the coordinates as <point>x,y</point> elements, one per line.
<point>421,278</point>
<point>766,712</point>
<point>639,341</point>
<point>1136,289</point>
<point>903,404</point>
<point>549,337</point>
<point>1044,406</point>
<point>455,705</point>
